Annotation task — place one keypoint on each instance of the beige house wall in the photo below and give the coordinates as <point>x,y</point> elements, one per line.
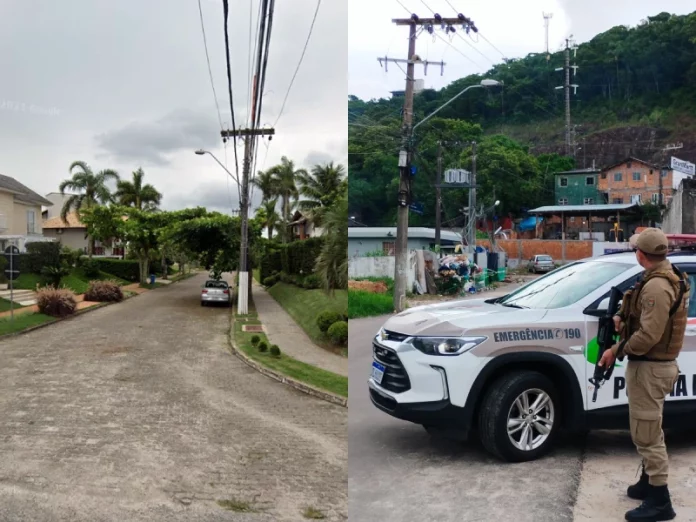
<point>6,213</point>
<point>71,237</point>
<point>19,221</point>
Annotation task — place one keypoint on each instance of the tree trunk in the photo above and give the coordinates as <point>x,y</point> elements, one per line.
<point>90,247</point>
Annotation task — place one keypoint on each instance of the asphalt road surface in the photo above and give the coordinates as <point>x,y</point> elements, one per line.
<point>398,473</point>
<point>138,411</point>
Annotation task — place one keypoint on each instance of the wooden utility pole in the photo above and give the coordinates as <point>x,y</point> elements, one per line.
<point>244,280</point>
<point>404,195</point>
<point>438,198</point>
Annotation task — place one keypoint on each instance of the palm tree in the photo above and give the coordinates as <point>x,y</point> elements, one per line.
<point>91,189</point>
<point>284,177</point>
<point>321,189</point>
<point>268,214</point>
<point>266,184</point>
<point>135,194</point>
<point>332,263</point>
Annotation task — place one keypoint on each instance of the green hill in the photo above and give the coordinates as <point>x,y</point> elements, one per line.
<point>637,93</point>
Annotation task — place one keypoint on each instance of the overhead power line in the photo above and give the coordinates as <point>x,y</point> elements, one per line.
<point>309,35</point>
<point>229,85</point>
<point>207,59</point>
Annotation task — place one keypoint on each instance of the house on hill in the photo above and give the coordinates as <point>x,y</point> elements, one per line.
<point>636,181</point>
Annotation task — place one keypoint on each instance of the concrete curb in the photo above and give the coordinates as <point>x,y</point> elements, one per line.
<point>300,386</point>
<point>60,320</point>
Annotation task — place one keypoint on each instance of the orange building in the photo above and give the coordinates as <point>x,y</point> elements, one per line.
<point>636,181</point>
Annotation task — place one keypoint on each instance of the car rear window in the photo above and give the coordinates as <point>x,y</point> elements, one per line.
<point>216,284</point>
<point>544,258</point>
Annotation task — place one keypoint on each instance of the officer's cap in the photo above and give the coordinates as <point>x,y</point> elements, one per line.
<point>651,241</point>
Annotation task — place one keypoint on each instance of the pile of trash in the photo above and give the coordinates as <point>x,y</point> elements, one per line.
<point>457,274</point>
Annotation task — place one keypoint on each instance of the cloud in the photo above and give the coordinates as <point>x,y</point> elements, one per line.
<point>152,142</point>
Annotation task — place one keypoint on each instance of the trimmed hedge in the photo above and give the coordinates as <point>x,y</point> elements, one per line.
<point>297,258</point>
<point>122,268</point>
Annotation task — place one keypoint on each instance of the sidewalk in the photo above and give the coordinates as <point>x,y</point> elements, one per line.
<point>282,330</point>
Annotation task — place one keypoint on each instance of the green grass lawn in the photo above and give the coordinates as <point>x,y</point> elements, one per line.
<point>152,286</point>
<point>77,281</point>
<point>286,365</point>
<point>368,304</point>
<point>22,322</point>
<point>305,305</point>
<point>5,305</point>
<point>26,281</point>
<point>257,275</point>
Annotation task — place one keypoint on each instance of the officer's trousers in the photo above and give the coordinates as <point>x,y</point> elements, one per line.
<point>647,385</point>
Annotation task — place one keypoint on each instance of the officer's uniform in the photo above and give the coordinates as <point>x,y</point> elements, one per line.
<point>653,327</point>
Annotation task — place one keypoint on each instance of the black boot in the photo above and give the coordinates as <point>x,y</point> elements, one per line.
<point>656,507</point>
<point>639,490</point>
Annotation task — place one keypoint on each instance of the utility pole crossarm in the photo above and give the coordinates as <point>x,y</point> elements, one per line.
<point>247,132</point>
<point>434,21</point>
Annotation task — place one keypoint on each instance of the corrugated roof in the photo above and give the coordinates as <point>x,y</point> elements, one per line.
<point>581,208</point>
<point>580,171</point>
<point>413,232</point>
<point>21,192</point>
<point>73,221</point>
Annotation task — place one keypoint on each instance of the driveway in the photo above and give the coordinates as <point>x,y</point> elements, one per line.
<point>138,411</point>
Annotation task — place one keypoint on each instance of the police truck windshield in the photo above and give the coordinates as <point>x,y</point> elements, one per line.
<point>565,286</point>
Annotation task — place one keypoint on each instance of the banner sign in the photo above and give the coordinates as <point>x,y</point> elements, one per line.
<point>682,166</point>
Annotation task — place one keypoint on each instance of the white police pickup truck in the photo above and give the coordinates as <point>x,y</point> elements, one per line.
<point>516,368</point>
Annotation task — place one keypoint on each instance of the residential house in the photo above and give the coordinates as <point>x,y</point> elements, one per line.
<point>72,233</point>
<point>577,187</point>
<point>636,181</point>
<point>58,200</point>
<point>20,214</point>
<point>382,240</point>
<point>302,226</point>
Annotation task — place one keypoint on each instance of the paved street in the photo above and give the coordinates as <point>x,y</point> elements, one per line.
<point>138,411</point>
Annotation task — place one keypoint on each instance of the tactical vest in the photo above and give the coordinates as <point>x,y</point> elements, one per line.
<point>672,339</point>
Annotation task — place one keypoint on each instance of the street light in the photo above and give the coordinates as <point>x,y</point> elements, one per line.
<point>484,83</point>
<point>201,152</point>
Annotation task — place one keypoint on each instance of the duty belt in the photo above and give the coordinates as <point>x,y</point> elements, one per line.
<point>648,359</point>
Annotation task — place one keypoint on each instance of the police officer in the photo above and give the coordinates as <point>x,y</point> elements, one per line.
<point>652,322</point>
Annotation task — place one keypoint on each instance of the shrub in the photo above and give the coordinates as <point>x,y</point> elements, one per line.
<point>91,267</point>
<point>262,346</point>
<point>286,278</point>
<point>255,339</point>
<point>41,254</point>
<point>121,268</point>
<point>270,280</point>
<point>326,319</point>
<point>52,275</point>
<point>338,332</point>
<point>312,282</point>
<point>104,292</point>
<point>302,255</point>
<point>275,351</point>
<point>56,302</point>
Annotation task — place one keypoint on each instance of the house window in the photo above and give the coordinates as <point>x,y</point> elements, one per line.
<point>563,201</point>
<point>635,198</point>
<point>636,176</point>
<point>654,197</point>
<point>617,176</point>
<point>604,175</point>
<point>589,180</point>
<point>664,173</point>
<point>31,222</point>
<point>617,201</point>
<point>628,164</point>
<point>564,182</point>
<point>572,219</point>
<point>588,201</point>
<point>389,248</point>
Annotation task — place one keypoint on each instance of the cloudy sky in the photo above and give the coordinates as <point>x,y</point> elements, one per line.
<point>125,84</point>
<point>514,29</point>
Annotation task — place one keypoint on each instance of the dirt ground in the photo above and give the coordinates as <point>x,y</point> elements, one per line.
<point>138,411</point>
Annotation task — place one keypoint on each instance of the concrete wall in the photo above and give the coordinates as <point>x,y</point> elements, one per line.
<point>58,201</point>
<point>525,249</point>
<point>19,221</point>
<point>362,246</point>
<point>680,216</point>
<point>7,213</point>
<point>380,267</point>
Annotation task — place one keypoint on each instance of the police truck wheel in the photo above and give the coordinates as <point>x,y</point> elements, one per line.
<point>519,417</point>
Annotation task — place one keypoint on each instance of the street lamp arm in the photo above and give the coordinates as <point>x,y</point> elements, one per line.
<point>443,106</point>
<point>223,167</point>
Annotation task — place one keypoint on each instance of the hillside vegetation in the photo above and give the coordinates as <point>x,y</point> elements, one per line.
<point>637,93</point>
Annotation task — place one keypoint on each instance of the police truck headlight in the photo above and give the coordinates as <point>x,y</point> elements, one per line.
<point>445,345</point>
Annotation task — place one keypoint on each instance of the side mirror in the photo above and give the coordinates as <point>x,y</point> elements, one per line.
<point>601,309</point>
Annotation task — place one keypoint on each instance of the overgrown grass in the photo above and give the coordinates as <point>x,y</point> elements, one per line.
<point>305,305</point>
<point>386,280</point>
<point>368,304</point>
<point>22,322</point>
<point>151,286</point>
<point>257,275</point>
<point>287,365</point>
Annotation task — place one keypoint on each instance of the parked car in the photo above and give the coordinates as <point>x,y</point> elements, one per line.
<point>215,292</point>
<point>541,263</point>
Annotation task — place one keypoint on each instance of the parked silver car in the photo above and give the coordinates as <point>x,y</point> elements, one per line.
<point>541,263</point>
<point>215,292</point>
